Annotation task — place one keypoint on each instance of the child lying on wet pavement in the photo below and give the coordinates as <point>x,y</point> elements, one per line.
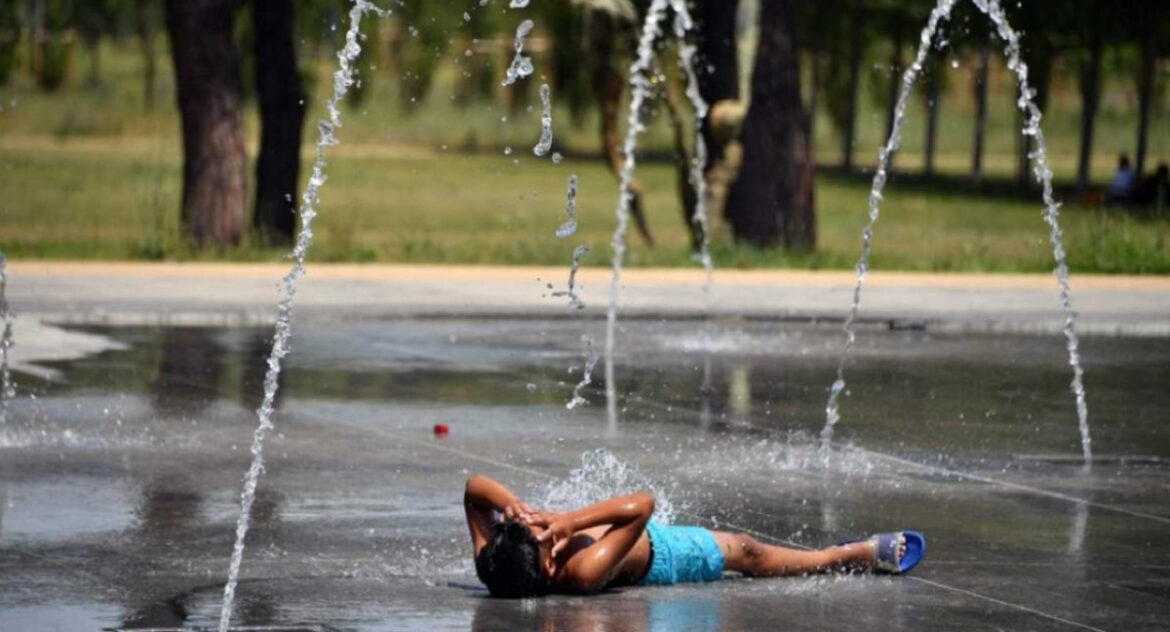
<point>522,552</point>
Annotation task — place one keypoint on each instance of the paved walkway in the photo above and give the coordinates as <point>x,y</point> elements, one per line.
<point>145,293</point>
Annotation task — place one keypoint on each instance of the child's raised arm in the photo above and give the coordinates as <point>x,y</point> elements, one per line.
<point>593,568</point>
<point>482,497</point>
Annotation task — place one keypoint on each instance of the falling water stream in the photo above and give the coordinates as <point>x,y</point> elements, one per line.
<point>343,78</point>
<point>1043,175</point>
<point>7,389</point>
<point>687,60</point>
<point>546,134</point>
<point>570,225</point>
<point>521,64</point>
<point>575,301</point>
<point>640,89</point>
<point>586,377</point>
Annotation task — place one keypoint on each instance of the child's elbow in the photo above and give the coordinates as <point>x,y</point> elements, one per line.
<point>474,482</point>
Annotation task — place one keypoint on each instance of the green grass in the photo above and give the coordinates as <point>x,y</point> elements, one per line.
<point>88,174</point>
<point>102,199</point>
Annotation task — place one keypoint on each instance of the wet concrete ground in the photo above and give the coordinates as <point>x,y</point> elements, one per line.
<point>120,474</point>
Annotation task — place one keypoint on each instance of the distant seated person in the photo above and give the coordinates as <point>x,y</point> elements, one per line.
<point>1121,188</point>
<point>1154,190</point>
<point>521,552</point>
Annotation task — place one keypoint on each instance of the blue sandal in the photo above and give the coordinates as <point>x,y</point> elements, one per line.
<point>886,551</point>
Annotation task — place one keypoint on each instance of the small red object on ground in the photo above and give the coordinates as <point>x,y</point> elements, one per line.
<point>441,430</point>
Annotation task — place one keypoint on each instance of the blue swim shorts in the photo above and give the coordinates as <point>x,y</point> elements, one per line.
<point>682,554</point>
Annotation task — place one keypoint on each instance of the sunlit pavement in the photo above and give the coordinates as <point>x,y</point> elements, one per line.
<point>126,293</point>
<point>121,463</point>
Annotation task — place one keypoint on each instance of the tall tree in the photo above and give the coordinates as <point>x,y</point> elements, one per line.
<point>209,95</point>
<point>51,44</point>
<point>718,63</point>
<point>932,84</point>
<point>282,115</point>
<point>1092,30</point>
<point>1152,35</point>
<point>772,201</point>
<point>478,71</point>
<point>93,18</point>
<point>1090,99</point>
<point>9,39</point>
<point>981,72</point>
<point>146,24</point>
<point>415,54</point>
<point>894,79</point>
<point>847,118</point>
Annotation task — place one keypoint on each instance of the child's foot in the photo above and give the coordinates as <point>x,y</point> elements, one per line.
<point>895,552</point>
<point>890,551</point>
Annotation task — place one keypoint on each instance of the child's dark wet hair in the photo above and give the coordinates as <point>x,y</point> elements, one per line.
<point>509,564</point>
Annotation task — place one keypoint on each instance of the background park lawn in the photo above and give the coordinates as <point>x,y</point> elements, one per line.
<point>88,173</point>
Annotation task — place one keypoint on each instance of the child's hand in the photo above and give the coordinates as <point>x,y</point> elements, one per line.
<point>519,511</point>
<point>558,529</point>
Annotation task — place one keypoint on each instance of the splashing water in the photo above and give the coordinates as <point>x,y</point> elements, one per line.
<point>518,4</point>
<point>832,412</point>
<point>1043,173</point>
<point>640,89</point>
<point>7,387</point>
<point>748,459</point>
<point>687,61</point>
<point>546,135</point>
<point>600,477</point>
<point>1040,169</point>
<point>343,78</point>
<point>587,378</point>
<point>575,301</point>
<point>521,64</point>
<point>570,225</point>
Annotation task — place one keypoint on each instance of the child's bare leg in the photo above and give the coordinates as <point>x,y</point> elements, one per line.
<point>742,553</point>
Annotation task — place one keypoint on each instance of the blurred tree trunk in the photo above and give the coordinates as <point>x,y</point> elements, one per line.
<point>53,43</point>
<point>91,22</point>
<point>814,89</point>
<point>1090,98</point>
<point>282,114</point>
<point>895,80</point>
<point>1145,100</point>
<point>147,19</point>
<point>980,112</point>
<point>718,64</point>
<point>9,40</point>
<point>207,80</point>
<point>93,46</point>
<point>933,81</point>
<point>772,201</point>
<point>849,138</point>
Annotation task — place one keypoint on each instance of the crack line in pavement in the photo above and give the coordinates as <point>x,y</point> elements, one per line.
<point>1040,613</point>
<point>933,469</point>
<point>538,473</point>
